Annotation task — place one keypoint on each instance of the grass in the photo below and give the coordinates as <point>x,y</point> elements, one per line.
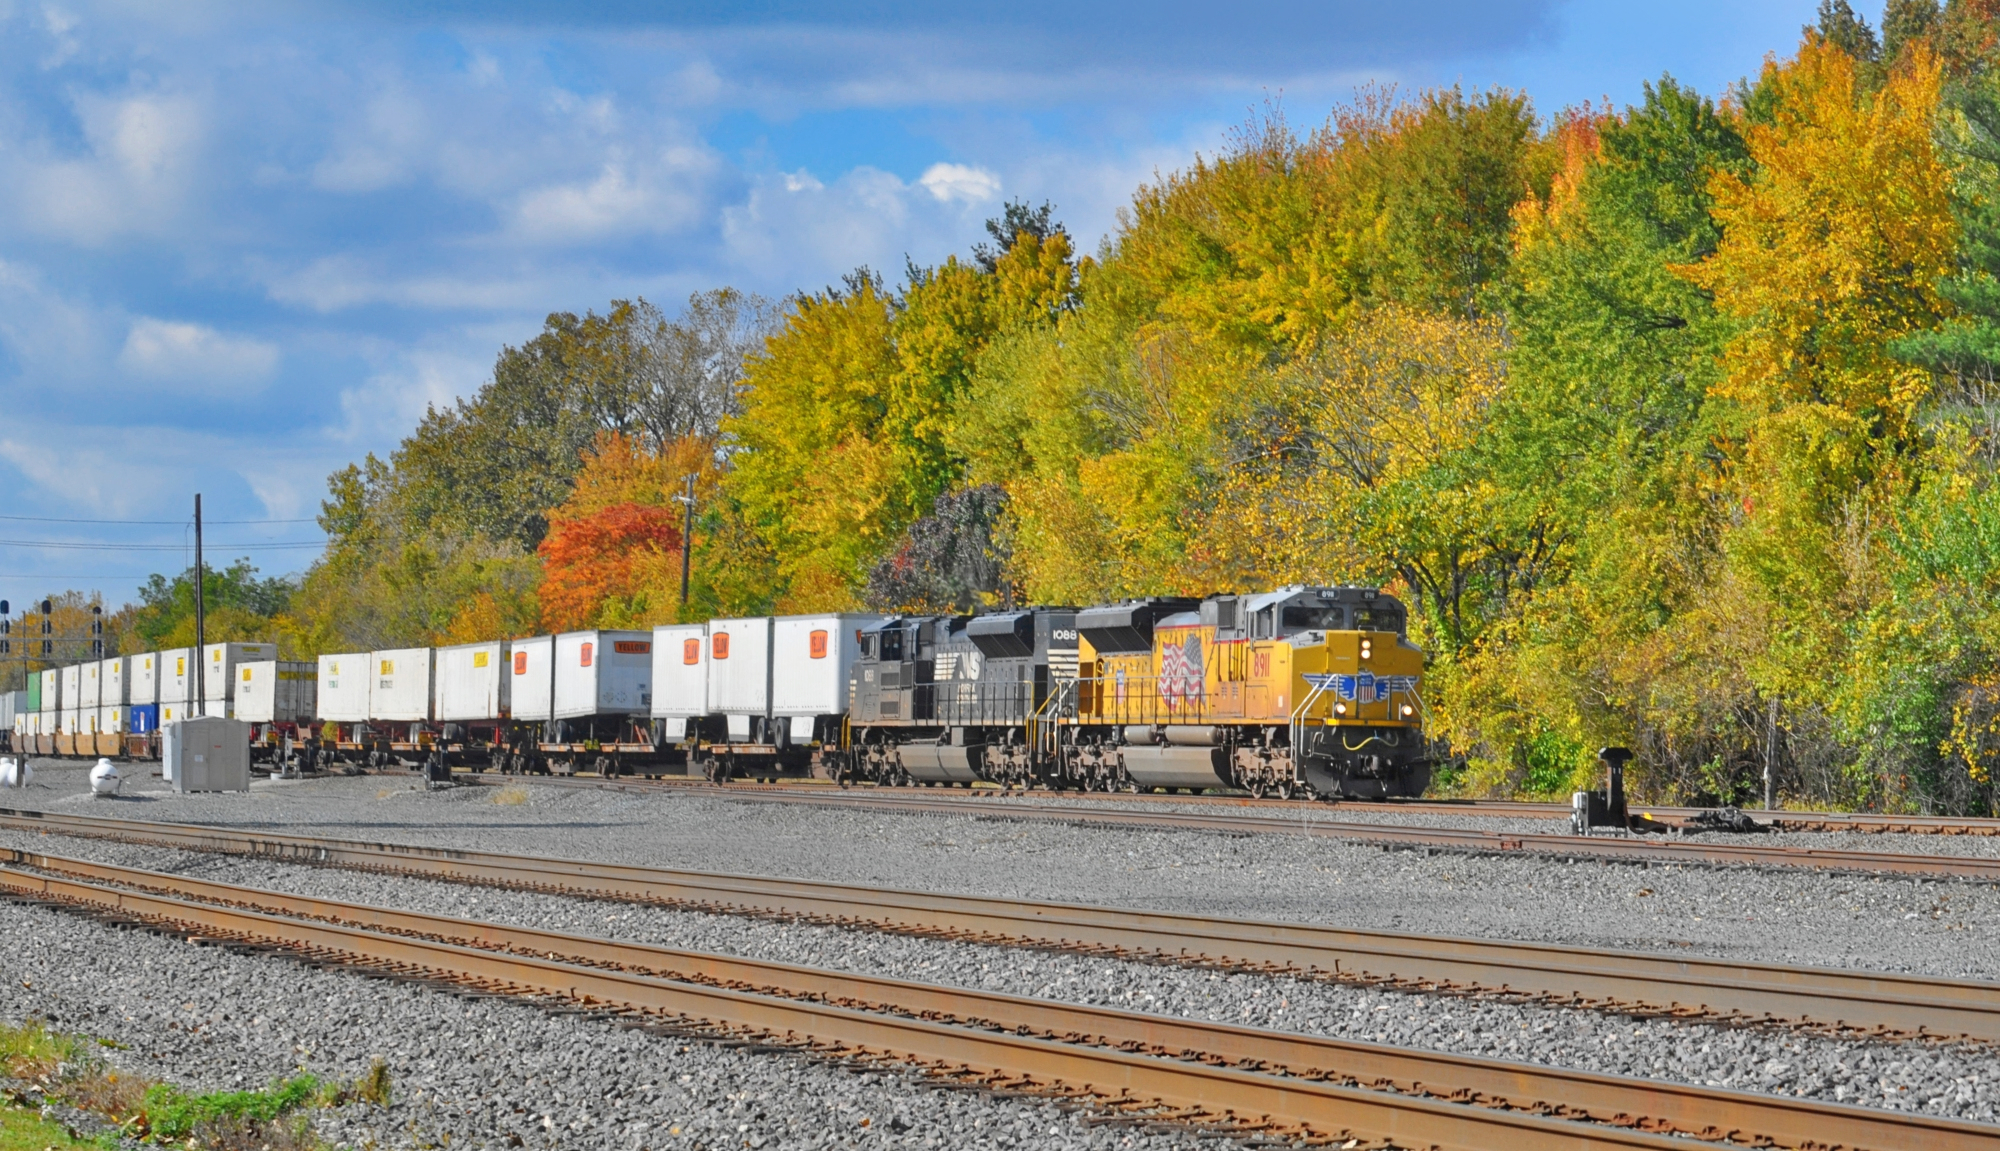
<point>22,1129</point>
<point>68,1070</point>
<point>512,795</point>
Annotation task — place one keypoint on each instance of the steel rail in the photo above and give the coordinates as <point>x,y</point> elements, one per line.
<point>1884,1003</point>
<point>1309,821</point>
<point>1661,1107</point>
<point>1863,822</point>
<point>1250,1100</point>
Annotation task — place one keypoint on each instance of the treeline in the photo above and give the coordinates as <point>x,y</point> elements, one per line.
<point>1676,425</point>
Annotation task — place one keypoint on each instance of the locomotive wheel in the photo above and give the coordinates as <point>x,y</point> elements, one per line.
<point>1256,789</point>
<point>1284,789</point>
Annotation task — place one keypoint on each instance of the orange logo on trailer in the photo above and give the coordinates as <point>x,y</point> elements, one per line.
<point>520,663</point>
<point>816,645</point>
<point>718,646</point>
<point>631,647</point>
<point>587,649</point>
<point>691,652</point>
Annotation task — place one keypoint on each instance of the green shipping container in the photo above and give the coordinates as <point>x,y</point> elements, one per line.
<point>34,692</point>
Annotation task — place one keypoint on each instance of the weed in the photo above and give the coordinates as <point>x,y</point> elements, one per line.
<point>512,795</point>
<point>374,1086</point>
<point>171,1114</point>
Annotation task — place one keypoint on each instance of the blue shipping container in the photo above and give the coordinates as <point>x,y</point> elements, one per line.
<point>145,718</point>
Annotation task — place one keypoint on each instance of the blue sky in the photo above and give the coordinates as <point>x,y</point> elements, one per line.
<point>242,244</point>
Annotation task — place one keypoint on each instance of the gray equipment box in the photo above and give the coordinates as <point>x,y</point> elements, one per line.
<point>207,754</point>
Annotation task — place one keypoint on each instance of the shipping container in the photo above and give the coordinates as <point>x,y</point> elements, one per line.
<point>811,658</point>
<point>739,670</point>
<point>142,678</point>
<point>69,721</point>
<point>52,691</point>
<point>473,682</point>
<point>111,720</point>
<point>143,718</point>
<point>603,673</point>
<point>8,703</point>
<point>400,690</point>
<point>111,681</point>
<point>276,691</point>
<point>680,676</point>
<point>219,663</point>
<point>90,688</point>
<point>343,687</point>
<point>71,689</point>
<point>176,712</point>
<point>177,678</point>
<point>34,691</point>
<point>528,660</point>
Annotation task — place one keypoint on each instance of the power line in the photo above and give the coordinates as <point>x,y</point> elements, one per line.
<point>67,545</point>
<point>149,523</point>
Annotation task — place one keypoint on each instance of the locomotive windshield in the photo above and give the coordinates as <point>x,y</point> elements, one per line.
<point>1310,619</point>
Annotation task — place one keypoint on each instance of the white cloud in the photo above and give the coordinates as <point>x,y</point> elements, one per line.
<point>142,160</point>
<point>948,182</point>
<point>196,357</point>
<point>664,196</point>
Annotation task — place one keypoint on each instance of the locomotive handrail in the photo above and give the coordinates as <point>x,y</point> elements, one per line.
<point>1297,734</point>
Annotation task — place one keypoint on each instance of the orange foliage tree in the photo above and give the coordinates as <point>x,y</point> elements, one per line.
<point>613,553</point>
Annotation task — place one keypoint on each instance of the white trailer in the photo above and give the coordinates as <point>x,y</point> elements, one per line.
<point>276,691</point>
<point>680,677</point>
<point>142,678</point>
<point>72,689</point>
<point>400,687</point>
<point>473,682</point>
<point>603,673</point>
<point>739,672</point>
<point>52,692</point>
<point>811,658</point>
<point>343,687</point>
<point>530,695</point>
<point>219,663</point>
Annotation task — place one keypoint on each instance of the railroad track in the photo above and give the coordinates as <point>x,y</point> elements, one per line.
<point>1139,1067</point>
<point>1881,1004</point>
<point>1322,822</point>
<point>1872,823</point>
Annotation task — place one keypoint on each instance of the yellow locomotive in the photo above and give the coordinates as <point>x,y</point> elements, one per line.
<point>1302,690</point>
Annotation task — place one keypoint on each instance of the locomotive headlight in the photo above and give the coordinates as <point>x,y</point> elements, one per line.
<point>1340,709</point>
<point>1367,648</point>
<point>1408,711</point>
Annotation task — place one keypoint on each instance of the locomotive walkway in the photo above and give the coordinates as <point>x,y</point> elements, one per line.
<point>1883,1004</point>
<point>1125,1066</point>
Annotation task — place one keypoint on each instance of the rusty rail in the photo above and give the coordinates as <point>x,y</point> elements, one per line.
<point>1863,822</point>
<point>1518,1089</point>
<point>1312,821</point>
<point>1884,1003</point>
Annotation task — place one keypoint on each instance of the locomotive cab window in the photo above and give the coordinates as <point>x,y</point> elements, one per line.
<point>892,645</point>
<point>1262,624</point>
<point>1297,619</point>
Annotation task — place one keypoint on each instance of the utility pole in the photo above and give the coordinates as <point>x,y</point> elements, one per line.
<point>200,621</point>
<point>687,541</point>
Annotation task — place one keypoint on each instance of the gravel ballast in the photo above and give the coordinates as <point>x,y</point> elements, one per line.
<point>479,1071</point>
<point>1938,928</point>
